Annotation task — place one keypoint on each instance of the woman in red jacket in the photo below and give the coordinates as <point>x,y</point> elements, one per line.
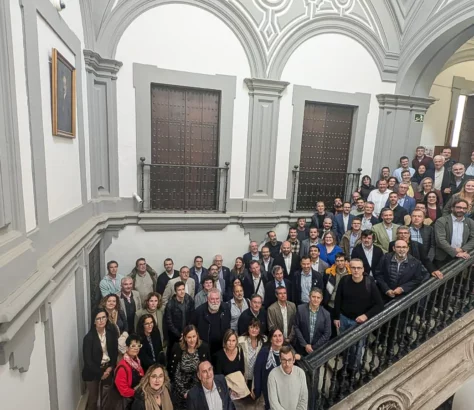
<point>129,371</point>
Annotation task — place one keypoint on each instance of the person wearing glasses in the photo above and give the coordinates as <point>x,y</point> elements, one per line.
<point>152,347</point>
<point>129,370</point>
<point>454,234</point>
<point>100,350</point>
<point>153,390</point>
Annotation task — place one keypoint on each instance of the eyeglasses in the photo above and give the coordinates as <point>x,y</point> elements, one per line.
<point>286,361</point>
<point>139,346</point>
<point>99,319</point>
<point>157,376</point>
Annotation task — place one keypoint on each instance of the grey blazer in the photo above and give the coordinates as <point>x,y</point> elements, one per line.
<point>275,318</point>
<point>136,298</point>
<point>444,234</point>
<point>322,330</point>
<point>304,248</point>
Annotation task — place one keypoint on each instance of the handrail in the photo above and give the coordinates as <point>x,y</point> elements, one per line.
<point>425,304</point>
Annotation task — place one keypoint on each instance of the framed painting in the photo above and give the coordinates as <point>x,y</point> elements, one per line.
<point>63,81</point>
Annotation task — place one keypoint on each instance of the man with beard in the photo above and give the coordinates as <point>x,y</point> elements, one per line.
<point>212,319</point>
<point>273,244</point>
<point>313,240</point>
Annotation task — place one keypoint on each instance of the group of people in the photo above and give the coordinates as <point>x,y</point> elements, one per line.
<point>224,338</point>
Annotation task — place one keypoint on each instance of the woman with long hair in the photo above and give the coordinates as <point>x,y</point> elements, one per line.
<point>117,319</point>
<point>152,347</point>
<point>230,359</point>
<point>466,193</point>
<point>366,187</point>
<point>426,186</point>
<point>328,248</point>
<point>153,306</point>
<point>433,208</point>
<point>392,184</point>
<point>153,391</point>
<point>185,359</point>
<point>99,350</point>
<point>238,271</point>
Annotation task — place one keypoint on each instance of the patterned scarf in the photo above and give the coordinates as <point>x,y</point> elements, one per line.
<point>271,362</point>
<point>134,363</point>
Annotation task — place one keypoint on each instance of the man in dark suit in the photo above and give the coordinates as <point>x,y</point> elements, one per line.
<point>367,252</point>
<point>399,212</point>
<point>312,240</point>
<point>318,218</point>
<point>216,387</point>
<point>304,281</point>
<point>273,244</point>
<point>198,273</point>
<point>404,200</point>
<point>256,281</point>
<point>277,281</point>
<point>459,178</point>
<point>454,243</point>
<point>343,221</point>
<point>306,343</point>
<point>398,272</point>
<point>424,234</point>
<point>255,310</point>
<point>368,218</point>
<point>287,260</point>
<point>266,263</point>
<point>253,255</point>
<point>225,275</point>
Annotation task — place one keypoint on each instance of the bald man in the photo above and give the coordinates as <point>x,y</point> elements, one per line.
<point>290,262</point>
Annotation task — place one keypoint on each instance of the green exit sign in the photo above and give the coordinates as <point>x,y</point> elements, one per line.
<point>419,118</point>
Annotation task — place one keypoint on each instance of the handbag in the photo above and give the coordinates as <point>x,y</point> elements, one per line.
<point>115,401</point>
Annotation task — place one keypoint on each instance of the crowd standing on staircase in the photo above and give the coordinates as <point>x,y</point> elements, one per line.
<point>221,338</point>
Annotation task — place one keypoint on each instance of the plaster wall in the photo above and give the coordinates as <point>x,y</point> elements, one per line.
<point>23,116</point>
<point>62,154</point>
<point>436,119</point>
<point>27,390</point>
<point>167,36</point>
<point>329,62</point>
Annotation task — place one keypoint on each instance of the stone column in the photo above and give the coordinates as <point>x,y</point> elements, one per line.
<point>398,133</point>
<point>102,104</point>
<point>261,144</point>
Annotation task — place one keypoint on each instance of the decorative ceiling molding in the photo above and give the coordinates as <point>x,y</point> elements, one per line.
<point>462,55</point>
<point>402,10</point>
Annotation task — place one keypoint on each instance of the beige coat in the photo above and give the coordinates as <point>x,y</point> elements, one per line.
<point>169,290</point>
<point>275,318</point>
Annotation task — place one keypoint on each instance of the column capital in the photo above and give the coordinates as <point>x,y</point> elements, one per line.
<point>405,102</point>
<point>101,67</point>
<point>263,86</point>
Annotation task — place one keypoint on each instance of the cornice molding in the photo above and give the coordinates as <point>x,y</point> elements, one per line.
<point>261,86</point>
<point>101,67</point>
<point>405,102</point>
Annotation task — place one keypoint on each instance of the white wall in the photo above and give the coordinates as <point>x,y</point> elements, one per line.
<point>23,116</point>
<point>329,62</point>
<point>62,154</point>
<point>464,397</point>
<point>162,37</point>
<point>436,119</point>
<point>27,390</point>
<point>66,345</point>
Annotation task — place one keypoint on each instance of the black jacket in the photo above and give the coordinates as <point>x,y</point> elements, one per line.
<point>416,250</point>
<point>270,288</point>
<point>274,249</point>
<point>198,285</point>
<point>163,280</point>
<point>248,285</point>
<point>429,242</point>
<point>399,213</point>
<point>377,254</point>
<point>315,220</point>
<point>245,318</point>
<point>316,282</point>
<point>457,188</point>
<point>365,190</point>
<point>197,399</point>
<point>177,354</point>
<point>248,258</point>
<point>295,264</point>
<point>92,353</point>
<point>173,319</point>
<point>203,325</point>
<point>145,354</point>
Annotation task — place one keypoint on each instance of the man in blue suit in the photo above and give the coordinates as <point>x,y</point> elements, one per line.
<point>404,200</point>
<point>343,221</point>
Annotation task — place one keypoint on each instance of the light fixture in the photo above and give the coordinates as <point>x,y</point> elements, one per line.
<point>59,4</point>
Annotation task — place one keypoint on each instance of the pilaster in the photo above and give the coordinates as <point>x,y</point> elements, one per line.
<point>398,133</point>
<point>261,145</point>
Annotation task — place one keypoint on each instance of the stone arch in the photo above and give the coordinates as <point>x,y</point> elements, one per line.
<point>325,25</point>
<point>430,48</point>
<point>126,12</point>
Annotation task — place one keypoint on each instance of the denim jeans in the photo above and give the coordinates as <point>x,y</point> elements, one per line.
<point>355,352</point>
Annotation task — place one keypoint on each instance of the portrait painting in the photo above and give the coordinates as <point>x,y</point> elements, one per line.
<point>63,83</point>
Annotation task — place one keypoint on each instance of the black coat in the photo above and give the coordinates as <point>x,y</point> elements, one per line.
<point>377,254</point>
<point>163,280</point>
<point>173,319</point>
<point>245,318</point>
<point>295,264</point>
<point>274,250</point>
<point>203,324</point>
<point>227,276</point>
<point>248,258</point>
<point>365,190</point>
<point>316,282</point>
<point>92,353</point>
<point>198,285</point>
<point>177,354</point>
<point>146,356</point>
<point>248,285</point>
<point>399,213</point>
<point>197,399</point>
<point>270,296</point>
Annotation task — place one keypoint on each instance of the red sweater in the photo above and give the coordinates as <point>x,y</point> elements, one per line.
<point>123,378</point>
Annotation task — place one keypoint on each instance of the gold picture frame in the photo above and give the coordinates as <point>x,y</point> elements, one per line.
<point>63,91</point>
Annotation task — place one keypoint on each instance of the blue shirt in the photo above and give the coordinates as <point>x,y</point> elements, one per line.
<point>107,285</point>
<point>329,258</point>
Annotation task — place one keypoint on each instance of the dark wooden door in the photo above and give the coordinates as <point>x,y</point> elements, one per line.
<point>94,276</point>
<point>466,136</point>
<point>185,142</point>
<point>325,148</point>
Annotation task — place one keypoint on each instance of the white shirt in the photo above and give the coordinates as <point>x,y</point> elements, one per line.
<point>366,224</point>
<point>369,252</point>
<point>458,230</point>
<point>315,265</point>
<point>213,398</point>
<point>103,345</point>
<point>266,263</point>
<point>389,230</point>
<point>287,262</point>
<point>261,289</point>
<point>379,199</point>
<point>438,181</point>
<point>345,219</point>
